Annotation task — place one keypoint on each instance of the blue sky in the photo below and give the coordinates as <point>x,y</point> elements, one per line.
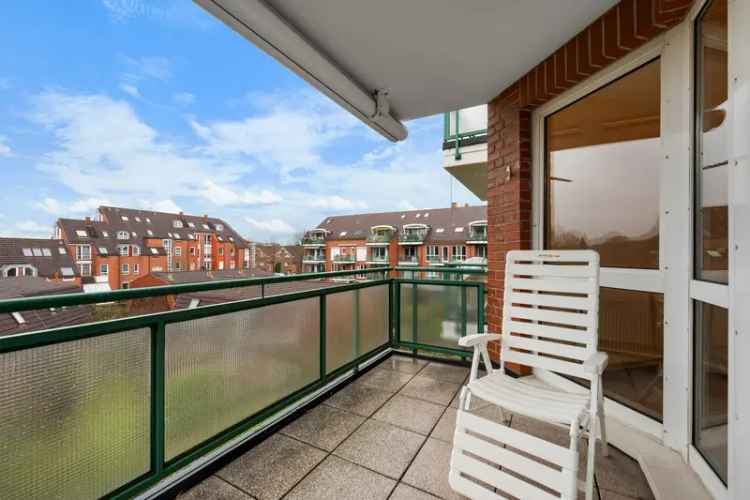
<point>155,104</point>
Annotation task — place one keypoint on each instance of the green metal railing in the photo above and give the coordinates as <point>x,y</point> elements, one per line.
<point>413,237</point>
<point>182,372</point>
<point>313,240</point>
<point>477,235</point>
<point>458,136</point>
<point>378,258</point>
<point>343,258</point>
<point>316,257</point>
<point>380,237</point>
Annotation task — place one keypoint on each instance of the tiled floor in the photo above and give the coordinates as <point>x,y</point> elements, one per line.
<point>385,436</point>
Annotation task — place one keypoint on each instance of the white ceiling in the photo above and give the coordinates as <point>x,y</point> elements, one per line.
<point>437,55</point>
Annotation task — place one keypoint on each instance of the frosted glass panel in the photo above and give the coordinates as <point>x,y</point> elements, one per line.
<point>373,318</point>
<point>340,342</point>
<point>439,315</point>
<point>75,417</point>
<point>407,312</point>
<point>223,369</point>
<point>472,316</point>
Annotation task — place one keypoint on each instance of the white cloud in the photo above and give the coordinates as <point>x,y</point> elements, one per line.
<point>274,226</point>
<point>336,202</point>
<point>175,11</point>
<point>77,207</point>
<point>27,229</point>
<point>4,148</point>
<point>222,195</point>
<point>405,205</point>
<point>139,68</point>
<point>184,98</point>
<point>161,206</point>
<point>130,89</point>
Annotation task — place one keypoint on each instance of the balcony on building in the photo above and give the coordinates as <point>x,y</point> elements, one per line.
<point>380,235</point>
<point>477,233</point>
<point>413,234</point>
<point>465,148</point>
<point>314,238</point>
<point>377,255</point>
<point>314,255</point>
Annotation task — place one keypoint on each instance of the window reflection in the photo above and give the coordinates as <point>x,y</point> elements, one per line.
<point>711,385</point>
<point>603,172</point>
<point>711,193</point>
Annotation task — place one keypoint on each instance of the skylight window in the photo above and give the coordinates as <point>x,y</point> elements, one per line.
<point>103,251</point>
<point>134,234</point>
<point>427,214</point>
<point>177,236</point>
<point>105,234</point>
<point>231,238</point>
<point>27,252</point>
<point>81,233</point>
<point>62,250</point>
<point>194,303</point>
<point>148,221</point>
<point>419,215</point>
<point>220,238</point>
<point>403,216</point>
<point>19,319</point>
<point>219,227</point>
<point>342,233</point>
<point>154,251</point>
<point>459,229</point>
<point>46,252</point>
<point>67,272</point>
<point>205,226</point>
<point>124,218</point>
<point>169,234</point>
<point>191,224</point>
<point>191,237</point>
<point>37,252</point>
<point>177,223</point>
<point>149,232</point>
<point>439,230</point>
<point>137,219</point>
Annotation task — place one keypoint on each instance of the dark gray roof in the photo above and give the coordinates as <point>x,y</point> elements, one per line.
<point>250,292</point>
<point>203,276</point>
<point>357,227</point>
<point>41,319</point>
<point>162,224</point>
<point>103,235</point>
<point>47,266</point>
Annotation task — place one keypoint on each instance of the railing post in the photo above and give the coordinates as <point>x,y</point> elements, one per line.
<point>322,352</point>
<point>414,314</point>
<point>480,308</point>
<point>158,355</point>
<point>463,311</point>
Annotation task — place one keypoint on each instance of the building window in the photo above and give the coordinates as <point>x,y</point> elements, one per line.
<point>231,264</point>
<point>177,224</point>
<point>27,252</point>
<point>104,269</point>
<point>221,250</point>
<point>219,227</point>
<point>603,154</point>
<point>178,266</point>
<point>83,252</point>
<point>481,251</point>
<point>446,255</point>
<point>123,235</point>
<point>192,250</point>
<point>433,253</point>
<point>459,252</point>
<point>123,249</point>
<point>61,250</point>
<point>124,269</point>
<point>178,251</point>
<point>125,286</point>
<point>81,233</point>
<point>136,250</point>
<point>85,268</point>
<point>136,268</point>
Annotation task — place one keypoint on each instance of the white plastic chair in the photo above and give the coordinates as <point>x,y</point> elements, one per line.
<point>531,467</point>
<point>550,317</point>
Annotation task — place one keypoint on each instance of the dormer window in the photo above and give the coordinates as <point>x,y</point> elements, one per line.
<point>177,224</point>
<point>154,251</point>
<point>105,234</point>
<point>219,227</point>
<point>136,250</point>
<point>81,233</point>
<point>123,235</point>
<point>62,250</point>
<point>191,225</point>
<point>37,252</point>
<point>123,249</point>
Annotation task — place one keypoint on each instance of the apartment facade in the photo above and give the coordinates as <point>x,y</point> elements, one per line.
<point>275,258</point>
<point>418,238</point>
<point>124,244</point>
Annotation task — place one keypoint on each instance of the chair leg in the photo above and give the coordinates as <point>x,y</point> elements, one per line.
<point>602,424</point>
<point>590,461</point>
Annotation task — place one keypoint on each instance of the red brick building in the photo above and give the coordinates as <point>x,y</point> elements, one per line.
<point>124,244</point>
<point>429,237</point>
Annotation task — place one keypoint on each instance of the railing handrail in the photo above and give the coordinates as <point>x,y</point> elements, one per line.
<point>451,270</point>
<point>81,298</point>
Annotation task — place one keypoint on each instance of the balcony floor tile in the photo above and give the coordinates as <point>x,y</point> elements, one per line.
<point>446,373</point>
<point>430,389</point>
<point>359,399</point>
<point>381,447</point>
<point>405,492</point>
<point>411,414</point>
<point>273,467</point>
<point>403,364</point>
<point>324,426</point>
<point>339,479</point>
<point>216,488</point>
<point>385,380</point>
<point>429,471</point>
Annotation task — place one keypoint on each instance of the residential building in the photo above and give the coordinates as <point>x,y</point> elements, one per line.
<point>465,148</point>
<point>428,237</point>
<point>275,258</point>
<point>123,244</point>
<point>37,257</point>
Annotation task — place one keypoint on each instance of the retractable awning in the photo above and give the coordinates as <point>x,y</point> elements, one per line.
<point>387,61</point>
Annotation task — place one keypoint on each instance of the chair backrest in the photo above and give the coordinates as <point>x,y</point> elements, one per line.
<point>551,309</point>
<point>531,467</point>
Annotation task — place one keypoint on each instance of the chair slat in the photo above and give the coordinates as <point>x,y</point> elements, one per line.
<point>553,270</point>
<point>551,285</point>
<point>549,331</point>
<point>547,347</point>
<point>562,301</point>
<point>560,317</point>
<point>546,363</point>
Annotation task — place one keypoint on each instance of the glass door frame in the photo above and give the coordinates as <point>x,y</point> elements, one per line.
<point>674,230</point>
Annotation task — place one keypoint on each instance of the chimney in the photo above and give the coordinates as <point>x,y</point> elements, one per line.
<point>205,217</point>
<point>466,205</point>
<point>182,213</point>
<point>454,204</point>
<point>88,220</point>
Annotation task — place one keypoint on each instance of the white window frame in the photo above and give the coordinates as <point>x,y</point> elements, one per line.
<point>123,250</point>
<point>136,268</point>
<point>82,255</point>
<point>178,251</point>
<point>104,269</point>
<point>124,268</point>
<point>84,268</point>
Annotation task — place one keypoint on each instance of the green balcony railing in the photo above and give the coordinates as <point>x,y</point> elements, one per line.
<point>111,408</point>
<point>378,258</point>
<point>477,235</point>
<point>434,259</point>
<point>315,257</point>
<point>344,258</point>
<point>380,237</point>
<point>313,240</point>
<point>453,136</point>
<point>412,237</point>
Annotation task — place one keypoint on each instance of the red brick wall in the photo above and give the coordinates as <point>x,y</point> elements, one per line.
<point>622,29</point>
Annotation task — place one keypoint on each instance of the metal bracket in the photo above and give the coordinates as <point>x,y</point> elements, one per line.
<point>382,106</point>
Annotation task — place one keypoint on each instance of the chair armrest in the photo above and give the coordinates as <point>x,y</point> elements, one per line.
<point>596,363</point>
<point>479,338</point>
